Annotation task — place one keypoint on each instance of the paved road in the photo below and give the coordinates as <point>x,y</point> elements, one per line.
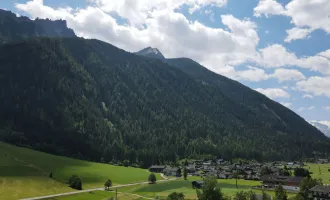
<point>89,190</point>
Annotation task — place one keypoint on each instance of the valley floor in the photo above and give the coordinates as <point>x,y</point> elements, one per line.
<point>24,173</point>
<point>162,190</point>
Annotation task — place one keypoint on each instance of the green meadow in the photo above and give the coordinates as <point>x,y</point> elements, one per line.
<point>228,187</point>
<point>25,173</point>
<point>163,189</point>
<point>320,171</point>
<point>100,195</point>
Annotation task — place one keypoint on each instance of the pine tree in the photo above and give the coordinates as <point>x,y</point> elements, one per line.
<point>185,173</point>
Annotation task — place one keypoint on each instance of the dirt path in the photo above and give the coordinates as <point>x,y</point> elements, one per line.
<point>90,190</point>
<point>163,176</point>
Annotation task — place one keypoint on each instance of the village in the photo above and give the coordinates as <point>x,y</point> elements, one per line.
<point>267,175</point>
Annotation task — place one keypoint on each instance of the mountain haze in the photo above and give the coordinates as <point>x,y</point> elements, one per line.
<point>91,100</point>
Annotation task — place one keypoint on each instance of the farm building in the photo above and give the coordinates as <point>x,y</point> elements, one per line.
<point>322,160</point>
<point>288,182</point>
<point>321,192</point>
<point>225,175</point>
<point>157,168</point>
<point>172,171</point>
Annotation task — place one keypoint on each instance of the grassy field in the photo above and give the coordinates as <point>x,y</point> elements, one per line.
<point>228,187</point>
<point>100,195</point>
<point>24,173</point>
<point>162,190</point>
<point>320,171</point>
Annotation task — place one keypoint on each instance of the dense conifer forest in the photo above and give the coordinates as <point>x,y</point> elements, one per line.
<point>88,99</point>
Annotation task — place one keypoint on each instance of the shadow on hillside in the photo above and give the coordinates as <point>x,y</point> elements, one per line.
<point>19,161</point>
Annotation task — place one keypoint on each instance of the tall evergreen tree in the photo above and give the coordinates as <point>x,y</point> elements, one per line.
<point>185,173</point>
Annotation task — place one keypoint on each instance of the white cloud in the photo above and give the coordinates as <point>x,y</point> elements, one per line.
<point>315,63</point>
<point>277,55</point>
<point>313,14</point>
<point>286,104</point>
<point>301,109</point>
<point>162,28</point>
<point>325,54</point>
<point>268,7</point>
<point>325,123</point>
<point>316,85</point>
<point>253,74</point>
<point>274,92</point>
<point>326,107</point>
<point>211,14</point>
<point>308,108</point>
<point>297,33</point>
<point>307,96</point>
<point>138,11</point>
<point>311,108</point>
<point>288,75</point>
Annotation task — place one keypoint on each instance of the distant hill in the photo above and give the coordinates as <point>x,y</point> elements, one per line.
<point>16,28</point>
<point>324,128</point>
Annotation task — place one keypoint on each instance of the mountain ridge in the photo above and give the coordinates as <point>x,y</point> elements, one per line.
<point>88,99</point>
<point>18,28</point>
<point>206,76</point>
<point>101,101</point>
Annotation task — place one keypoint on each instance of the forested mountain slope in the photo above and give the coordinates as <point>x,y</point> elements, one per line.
<point>89,99</point>
<point>16,28</point>
<point>265,110</point>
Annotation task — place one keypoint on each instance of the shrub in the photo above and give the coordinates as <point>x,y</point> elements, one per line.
<point>75,182</point>
<point>152,178</point>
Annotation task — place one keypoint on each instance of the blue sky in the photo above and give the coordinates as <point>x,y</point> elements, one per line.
<point>278,47</point>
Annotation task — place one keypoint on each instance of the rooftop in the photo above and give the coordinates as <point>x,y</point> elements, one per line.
<point>158,166</point>
<point>321,188</point>
<point>281,178</point>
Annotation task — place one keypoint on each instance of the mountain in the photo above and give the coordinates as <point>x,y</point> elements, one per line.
<point>263,109</point>
<point>88,99</point>
<point>267,109</point>
<point>322,127</point>
<point>151,53</point>
<point>15,28</point>
<point>91,100</point>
